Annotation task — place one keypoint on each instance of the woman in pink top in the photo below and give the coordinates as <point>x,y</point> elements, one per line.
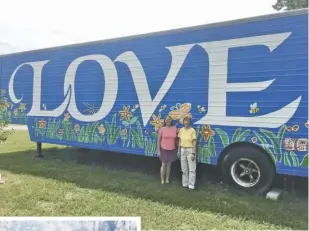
<point>167,148</point>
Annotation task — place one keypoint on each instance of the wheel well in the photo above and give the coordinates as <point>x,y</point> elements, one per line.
<point>227,149</point>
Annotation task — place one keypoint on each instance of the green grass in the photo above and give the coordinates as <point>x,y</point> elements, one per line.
<point>124,185</point>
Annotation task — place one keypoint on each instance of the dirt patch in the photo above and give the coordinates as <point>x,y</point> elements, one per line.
<point>16,127</point>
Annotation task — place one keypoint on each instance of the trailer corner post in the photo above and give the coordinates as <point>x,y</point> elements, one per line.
<point>39,154</point>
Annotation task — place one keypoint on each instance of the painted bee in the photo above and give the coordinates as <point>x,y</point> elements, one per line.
<point>201,109</point>
<point>135,108</point>
<point>295,128</point>
<point>254,108</point>
<point>162,108</point>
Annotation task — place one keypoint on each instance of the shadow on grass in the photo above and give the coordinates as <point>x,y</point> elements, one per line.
<point>137,177</point>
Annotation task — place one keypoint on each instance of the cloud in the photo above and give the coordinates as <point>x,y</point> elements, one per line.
<point>35,24</point>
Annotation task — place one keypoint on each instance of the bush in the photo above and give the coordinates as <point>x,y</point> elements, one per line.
<point>4,119</point>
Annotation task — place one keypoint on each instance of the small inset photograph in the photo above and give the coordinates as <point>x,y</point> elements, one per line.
<point>70,224</point>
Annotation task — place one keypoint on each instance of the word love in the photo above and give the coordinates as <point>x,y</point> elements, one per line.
<point>217,52</point>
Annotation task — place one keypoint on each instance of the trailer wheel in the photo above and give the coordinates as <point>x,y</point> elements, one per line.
<point>249,169</point>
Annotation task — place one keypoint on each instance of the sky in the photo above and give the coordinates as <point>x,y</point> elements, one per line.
<point>35,24</point>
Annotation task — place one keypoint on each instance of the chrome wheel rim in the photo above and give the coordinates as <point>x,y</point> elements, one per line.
<point>245,172</point>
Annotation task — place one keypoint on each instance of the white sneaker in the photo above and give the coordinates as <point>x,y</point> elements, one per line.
<point>185,186</point>
<point>191,187</point>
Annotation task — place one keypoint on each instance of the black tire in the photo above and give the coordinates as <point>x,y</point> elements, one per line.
<point>239,155</point>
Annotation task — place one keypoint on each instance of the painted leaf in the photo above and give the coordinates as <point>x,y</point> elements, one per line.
<point>133,120</point>
<point>263,141</point>
<point>139,134</point>
<point>154,147</point>
<point>139,129</point>
<point>133,143</point>
<point>281,134</point>
<point>102,138</point>
<point>137,138</point>
<point>211,147</point>
<point>93,129</point>
<point>260,138</point>
<point>236,135</point>
<point>125,123</point>
<point>294,159</point>
<point>271,136</point>
<point>200,155</point>
<point>224,137</point>
<point>154,135</point>
<point>96,139</point>
<point>273,139</point>
<point>107,126</point>
<point>286,159</point>
<point>243,136</point>
<point>117,133</point>
<point>133,133</point>
<point>81,134</point>
<point>114,120</point>
<point>304,162</point>
<point>146,146</point>
<point>280,139</point>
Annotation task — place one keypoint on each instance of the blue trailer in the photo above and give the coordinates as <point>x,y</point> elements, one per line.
<point>243,82</point>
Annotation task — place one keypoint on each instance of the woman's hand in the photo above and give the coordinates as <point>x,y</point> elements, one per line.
<point>159,153</point>
<point>193,156</point>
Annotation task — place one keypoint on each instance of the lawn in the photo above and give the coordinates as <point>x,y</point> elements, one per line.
<point>68,183</point>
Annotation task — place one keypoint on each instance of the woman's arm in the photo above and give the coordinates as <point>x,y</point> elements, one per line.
<point>179,142</point>
<point>194,144</point>
<point>159,143</point>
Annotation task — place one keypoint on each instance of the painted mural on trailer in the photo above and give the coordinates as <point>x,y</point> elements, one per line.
<point>240,83</point>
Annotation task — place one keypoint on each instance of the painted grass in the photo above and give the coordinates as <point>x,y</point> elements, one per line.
<point>124,185</point>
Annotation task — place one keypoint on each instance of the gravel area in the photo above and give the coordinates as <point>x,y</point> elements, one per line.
<point>16,127</point>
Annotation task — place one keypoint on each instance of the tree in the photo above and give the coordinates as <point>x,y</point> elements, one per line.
<point>290,5</point>
<point>5,116</point>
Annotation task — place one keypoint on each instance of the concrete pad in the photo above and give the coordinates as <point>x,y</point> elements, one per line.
<point>275,194</point>
<point>1,181</point>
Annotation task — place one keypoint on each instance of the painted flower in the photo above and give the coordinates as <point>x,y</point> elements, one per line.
<point>15,112</point>
<point>307,124</point>
<point>9,114</point>
<point>101,129</point>
<point>157,122</point>
<point>125,113</point>
<point>253,139</point>
<point>77,128</point>
<point>295,128</point>
<point>22,107</point>
<point>124,131</point>
<point>60,132</point>
<point>42,124</point>
<point>67,116</point>
<point>207,132</point>
<point>289,129</point>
